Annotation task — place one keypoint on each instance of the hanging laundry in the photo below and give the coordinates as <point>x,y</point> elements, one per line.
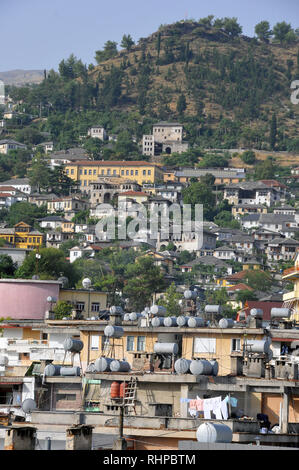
<point>224,409</point>
<point>233,401</point>
<point>192,405</point>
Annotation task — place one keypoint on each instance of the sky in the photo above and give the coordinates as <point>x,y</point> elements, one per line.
<point>38,34</point>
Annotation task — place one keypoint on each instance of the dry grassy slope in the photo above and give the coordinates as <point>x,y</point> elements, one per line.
<point>282,158</point>
<point>160,81</point>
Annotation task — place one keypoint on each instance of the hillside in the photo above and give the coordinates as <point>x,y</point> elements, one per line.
<point>21,77</point>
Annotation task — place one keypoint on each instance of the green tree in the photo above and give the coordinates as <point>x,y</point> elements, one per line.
<point>244,295</point>
<point>248,157</point>
<point>263,31</point>
<point>264,170</point>
<point>259,280</point>
<point>171,301</point>
<point>127,42</point>
<point>39,172</point>
<point>7,266</point>
<point>273,131</point>
<point>181,104</point>
<point>199,193</point>
<point>283,33</point>
<point>62,309</point>
<point>25,212</point>
<point>232,27</point>
<point>109,51</point>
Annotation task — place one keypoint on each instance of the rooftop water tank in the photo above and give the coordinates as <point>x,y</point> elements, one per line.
<point>256,312</point>
<point>116,310</point>
<point>119,366</point>
<point>201,367</point>
<point>226,323</point>
<point>72,371</point>
<point>196,322</point>
<point>182,366</point>
<point>166,348</point>
<point>52,370</point>
<point>102,364</point>
<point>157,321</point>
<point>3,360</point>
<point>72,345</point>
<point>126,317</point>
<point>134,316</point>
<point>280,312</point>
<point>258,346</point>
<point>213,309</point>
<point>182,320</point>
<point>190,294</point>
<point>169,321</point>
<point>158,310</point>
<point>113,331</point>
<point>215,367</point>
<point>214,432</point>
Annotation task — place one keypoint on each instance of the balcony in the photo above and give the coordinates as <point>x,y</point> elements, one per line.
<point>291,273</point>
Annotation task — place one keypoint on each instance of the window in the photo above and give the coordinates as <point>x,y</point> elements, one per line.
<point>130,343</point>
<point>95,307</point>
<point>144,172</point>
<point>141,343</point>
<point>94,342</point>
<point>65,396</point>
<point>72,172</point>
<point>236,344</point>
<point>204,345</point>
<point>80,306</point>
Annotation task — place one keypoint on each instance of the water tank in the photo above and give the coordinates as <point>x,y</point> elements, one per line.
<point>64,371</point>
<point>201,367</point>
<point>215,367</point>
<point>258,346</point>
<point>158,310</point>
<point>3,360</point>
<point>169,321</point>
<point>126,317</point>
<point>51,370</point>
<point>226,323</point>
<point>119,366</point>
<point>182,366</point>
<point>280,312</point>
<point>214,432</point>
<point>190,294</point>
<point>91,368</point>
<point>182,320</point>
<point>72,345</point>
<point>166,348</point>
<point>115,390</point>
<point>28,405</point>
<point>256,312</point>
<point>102,364</point>
<point>196,322</point>
<point>113,331</point>
<point>213,309</point>
<point>116,310</point>
<point>122,389</point>
<point>157,321</point>
<point>134,316</point>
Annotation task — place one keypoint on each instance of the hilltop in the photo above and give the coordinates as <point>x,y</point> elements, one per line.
<point>20,77</point>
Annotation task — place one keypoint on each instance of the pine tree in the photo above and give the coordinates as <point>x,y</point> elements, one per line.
<point>273,131</point>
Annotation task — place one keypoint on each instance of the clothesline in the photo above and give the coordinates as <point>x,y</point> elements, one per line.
<point>215,405</point>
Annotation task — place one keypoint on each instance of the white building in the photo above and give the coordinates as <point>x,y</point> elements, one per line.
<point>97,132</point>
<point>6,145</point>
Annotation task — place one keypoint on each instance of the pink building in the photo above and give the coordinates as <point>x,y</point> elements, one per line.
<point>26,298</point>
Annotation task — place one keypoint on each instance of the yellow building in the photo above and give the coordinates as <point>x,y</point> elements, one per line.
<point>88,171</point>
<point>291,299</point>
<point>22,236</point>
<point>88,302</point>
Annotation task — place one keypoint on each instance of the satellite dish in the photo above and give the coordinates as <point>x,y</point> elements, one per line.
<point>63,280</point>
<point>86,283</point>
<point>28,405</point>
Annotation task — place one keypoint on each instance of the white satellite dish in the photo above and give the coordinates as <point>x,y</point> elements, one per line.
<point>28,405</point>
<point>86,283</point>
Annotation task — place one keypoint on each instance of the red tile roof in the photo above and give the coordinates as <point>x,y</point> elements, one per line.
<point>265,306</point>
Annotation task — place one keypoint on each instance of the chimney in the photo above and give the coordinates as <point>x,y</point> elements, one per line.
<point>20,438</point>
<point>79,437</point>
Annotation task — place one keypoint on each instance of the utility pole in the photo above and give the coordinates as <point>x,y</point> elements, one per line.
<point>120,443</point>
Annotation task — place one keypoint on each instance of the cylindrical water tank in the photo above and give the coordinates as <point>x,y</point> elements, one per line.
<point>201,367</point>
<point>72,345</point>
<point>122,389</point>
<point>64,371</point>
<point>113,331</point>
<point>182,365</point>
<point>158,310</point>
<point>119,366</point>
<point>102,364</point>
<point>91,368</point>
<point>215,367</point>
<point>126,317</point>
<point>166,348</point>
<point>213,309</point>
<point>256,312</point>
<point>196,322</point>
<point>214,432</point>
<point>157,321</point>
<point>3,360</point>
<point>169,321</point>
<point>182,320</point>
<point>51,370</point>
<point>116,310</point>
<point>134,316</point>
<point>226,323</point>
<point>280,312</point>
<point>190,294</point>
<point>258,345</point>
<point>115,390</point>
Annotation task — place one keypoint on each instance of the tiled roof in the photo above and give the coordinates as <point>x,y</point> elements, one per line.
<point>114,163</point>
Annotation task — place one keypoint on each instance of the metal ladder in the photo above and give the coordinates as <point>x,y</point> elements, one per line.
<point>129,399</point>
